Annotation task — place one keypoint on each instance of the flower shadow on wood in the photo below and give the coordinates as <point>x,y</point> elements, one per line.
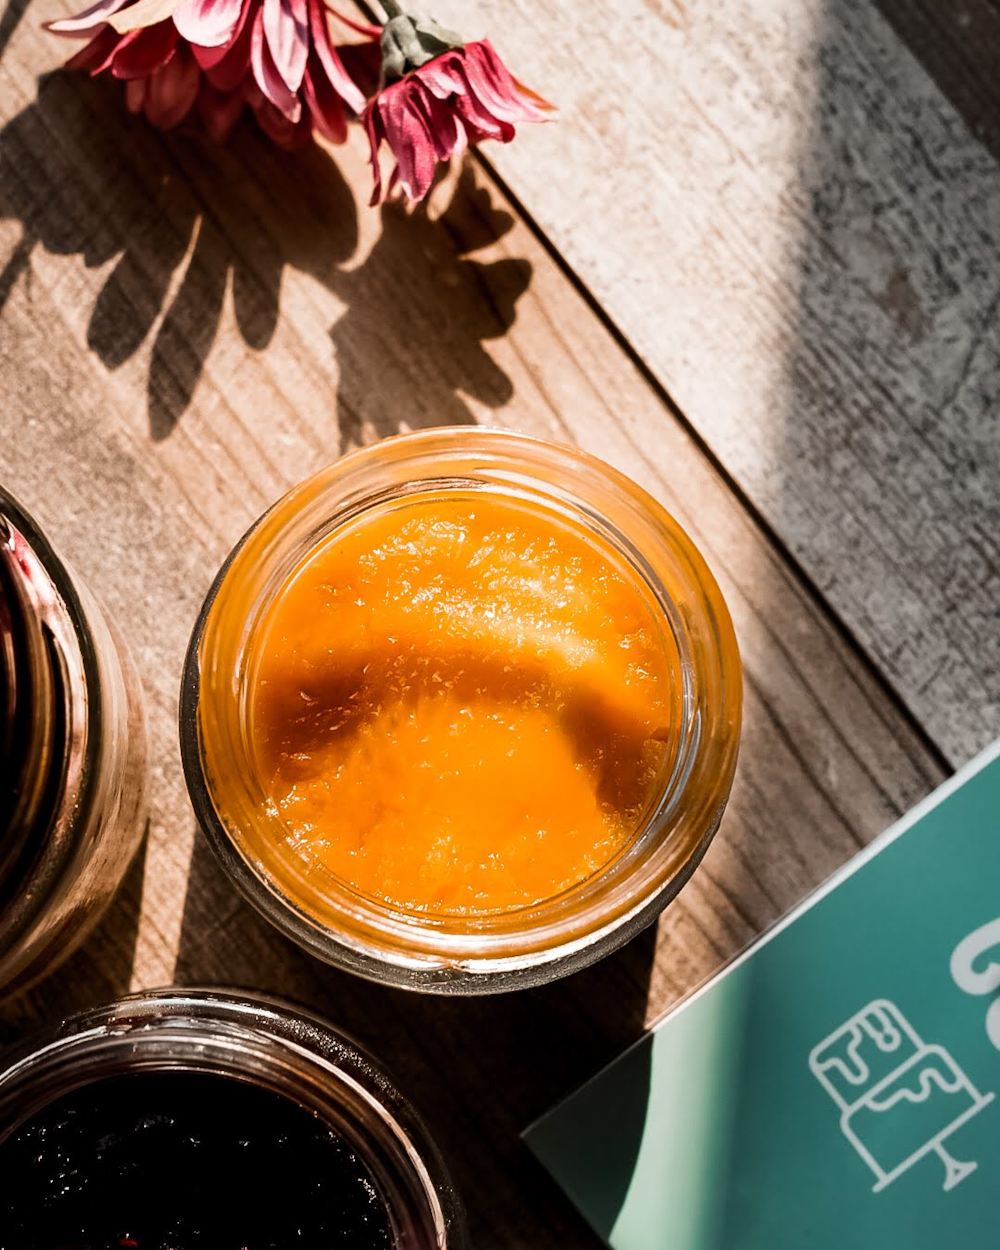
<point>418,314</point>
<point>176,217</point>
<point>180,222</point>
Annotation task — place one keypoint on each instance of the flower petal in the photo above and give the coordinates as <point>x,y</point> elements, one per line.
<point>493,84</point>
<point>480,122</point>
<point>326,108</point>
<point>87,22</point>
<point>274,123</point>
<point>442,75</point>
<point>208,23</point>
<point>371,119</point>
<point>135,94</point>
<point>138,16</point>
<point>446,77</point>
<point>408,135</point>
<point>286,25</point>
<point>443,124</point>
<point>333,66</point>
<point>95,53</point>
<point>363,28</point>
<point>208,58</point>
<point>219,110</point>
<point>118,44</point>
<point>363,63</point>
<point>143,52</point>
<point>267,76</point>
<point>227,67</point>
<point>171,91</point>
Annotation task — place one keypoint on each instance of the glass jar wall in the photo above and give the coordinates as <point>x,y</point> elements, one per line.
<point>697,726</point>
<point>72,755</point>
<point>179,1115</point>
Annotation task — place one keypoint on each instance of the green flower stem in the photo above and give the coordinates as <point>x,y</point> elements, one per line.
<point>409,42</point>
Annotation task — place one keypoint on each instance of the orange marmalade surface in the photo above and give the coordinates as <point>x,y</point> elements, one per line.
<point>461,704</point>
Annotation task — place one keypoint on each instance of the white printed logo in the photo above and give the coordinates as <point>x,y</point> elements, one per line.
<point>899,1098</point>
<point>969,974</point>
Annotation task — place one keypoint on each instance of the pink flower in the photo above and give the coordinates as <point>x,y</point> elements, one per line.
<point>441,104</point>
<point>205,60</point>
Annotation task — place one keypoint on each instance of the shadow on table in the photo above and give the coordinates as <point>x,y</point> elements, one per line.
<point>480,1070</point>
<point>418,314</point>
<point>181,221</point>
<point>13,11</point>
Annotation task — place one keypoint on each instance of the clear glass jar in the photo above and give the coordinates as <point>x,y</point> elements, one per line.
<point>267,1043</point>
<point>72,755</point>
<point>495,951</point>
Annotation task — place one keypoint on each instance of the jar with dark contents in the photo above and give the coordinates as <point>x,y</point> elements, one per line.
<point>183,1119</point>
<point>72,755</point>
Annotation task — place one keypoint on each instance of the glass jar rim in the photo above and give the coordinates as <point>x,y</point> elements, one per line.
<point>269,1043</point>
<point>499,950</point>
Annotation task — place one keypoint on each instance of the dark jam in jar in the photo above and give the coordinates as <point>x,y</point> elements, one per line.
<point>184,1161</point>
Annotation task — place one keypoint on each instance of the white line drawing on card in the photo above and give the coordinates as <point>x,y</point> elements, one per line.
<point>900,1098</point>
<point>982,946</point>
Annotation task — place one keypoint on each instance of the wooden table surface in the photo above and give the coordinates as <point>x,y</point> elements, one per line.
<point>756,265</point>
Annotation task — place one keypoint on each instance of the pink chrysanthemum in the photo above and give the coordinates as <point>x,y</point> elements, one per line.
<point>205,60</point>
<point>460,96</point>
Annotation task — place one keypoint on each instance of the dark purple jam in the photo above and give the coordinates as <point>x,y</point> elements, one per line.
<point>184,1161</point>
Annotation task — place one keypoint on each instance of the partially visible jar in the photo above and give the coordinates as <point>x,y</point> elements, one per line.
<point>72,755</point>
<point>248,1040</point>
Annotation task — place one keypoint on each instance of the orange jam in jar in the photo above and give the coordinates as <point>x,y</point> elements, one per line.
<point>461,703</point>
<point>461,711</point>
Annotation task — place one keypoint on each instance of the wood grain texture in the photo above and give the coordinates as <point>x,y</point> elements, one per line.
<point>801,238</point>
<point>959,46</point>
<point>185,333</point>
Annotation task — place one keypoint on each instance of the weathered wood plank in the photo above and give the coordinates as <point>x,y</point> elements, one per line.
<point>959,46</point>
<point>153,399</point>
<point>801,239</point>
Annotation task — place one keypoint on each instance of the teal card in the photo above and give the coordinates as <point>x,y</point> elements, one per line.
<point>835,1088</point>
